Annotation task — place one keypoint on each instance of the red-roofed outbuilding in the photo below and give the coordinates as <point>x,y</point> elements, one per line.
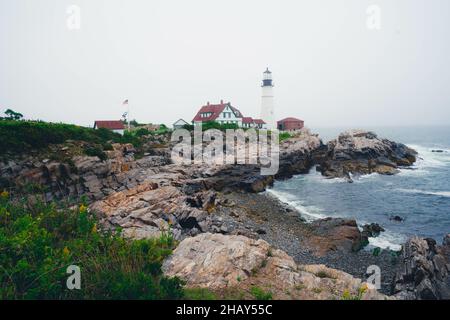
<point>290,124</point>
<point>113,125</point>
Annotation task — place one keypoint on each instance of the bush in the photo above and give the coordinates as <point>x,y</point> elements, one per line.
<point>95,151</point>
<point>141,132</point>
<point>20,136</point>
<point>213,125</point>
<point>39,242</point>
<point>199,294</point>
<point>260,294</point>
<point>284,136</point>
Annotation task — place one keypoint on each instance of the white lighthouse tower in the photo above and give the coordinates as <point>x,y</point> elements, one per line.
<point>267,104</point>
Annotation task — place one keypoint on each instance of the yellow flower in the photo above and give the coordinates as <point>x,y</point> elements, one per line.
<point>4,194</point>
<point>364,287</point>
<point>83,208</point>
<point>94,228</point>
<point>66,252</point>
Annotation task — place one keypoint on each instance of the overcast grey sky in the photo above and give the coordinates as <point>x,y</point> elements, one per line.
<point>170,57</point>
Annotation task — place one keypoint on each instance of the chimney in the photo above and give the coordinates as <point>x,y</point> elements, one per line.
<point>221,101</point>
<point>207,103</point>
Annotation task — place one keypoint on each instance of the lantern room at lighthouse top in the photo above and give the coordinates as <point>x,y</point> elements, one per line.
<point>267,78</point>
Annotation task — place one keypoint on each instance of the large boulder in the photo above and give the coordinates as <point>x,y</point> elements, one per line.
<point>335,234</point>
<point>228,262</point>
<point>424,273</point>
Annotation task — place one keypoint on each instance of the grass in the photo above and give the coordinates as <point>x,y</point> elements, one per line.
<point>260,294</point>
<point>284,136</point>
<point>199,294</point>
<point>323,274</point>
<point>38,242</point>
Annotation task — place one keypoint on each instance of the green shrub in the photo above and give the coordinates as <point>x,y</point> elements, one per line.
<point>141,132</point>
<point>323,274</point>
<point>20,136</point>
<point>260,294</point>
<point>284,136</point>
<point>108,147</point>
<point>39,242</point>
<point>199,294</point>
<point>213,125</point>
<point>95,151</point>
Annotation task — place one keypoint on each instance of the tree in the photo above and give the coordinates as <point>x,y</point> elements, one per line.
<point>12,115</point>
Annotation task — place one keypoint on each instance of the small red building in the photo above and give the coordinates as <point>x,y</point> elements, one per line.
<point>290,124</point>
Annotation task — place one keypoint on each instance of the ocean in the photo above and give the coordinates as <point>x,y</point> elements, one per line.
<point>420,195</point>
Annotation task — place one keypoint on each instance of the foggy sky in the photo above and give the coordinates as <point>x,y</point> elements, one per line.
<point>171,57</point>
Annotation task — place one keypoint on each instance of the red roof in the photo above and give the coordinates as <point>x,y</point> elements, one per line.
<point>247,120</point>
<point>109,124</point>
<point>290,119</point>
<point>259,121</point>
<point>215,110</point>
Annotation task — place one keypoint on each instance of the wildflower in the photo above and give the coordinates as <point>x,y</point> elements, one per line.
<point>4,194</point>
<point>346,295</point>
<point>83,208</point>
<point>66,252</point>
<point>94,228</point>
<point>365,287</point>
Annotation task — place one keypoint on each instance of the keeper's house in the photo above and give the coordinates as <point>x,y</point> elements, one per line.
<point>225,113</point>
<point>222,113</point>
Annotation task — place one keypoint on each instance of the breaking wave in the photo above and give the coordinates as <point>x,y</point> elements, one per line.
<point>430,193</point>
<point>310,213</point>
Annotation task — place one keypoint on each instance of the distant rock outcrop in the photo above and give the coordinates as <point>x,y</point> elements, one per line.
<point>425,269</point>
<point>362,152</point>
<point>223,262</point>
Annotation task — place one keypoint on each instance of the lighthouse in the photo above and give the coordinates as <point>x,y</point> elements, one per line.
<point>267,103</point>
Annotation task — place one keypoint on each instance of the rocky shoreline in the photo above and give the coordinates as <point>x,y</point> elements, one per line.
<point>150,196</point>
<point>282,227</point>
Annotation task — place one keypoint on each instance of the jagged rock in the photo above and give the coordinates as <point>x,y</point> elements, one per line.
<point>396,218</point>
<point>153,161</point>
<point>336,234</point>
<point>223,262</point>
<point>362,152</point>
<point>372,230</point>
<point>424,273</point>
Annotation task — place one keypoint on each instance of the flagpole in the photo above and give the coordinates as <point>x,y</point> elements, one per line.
<point>128,115</point>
